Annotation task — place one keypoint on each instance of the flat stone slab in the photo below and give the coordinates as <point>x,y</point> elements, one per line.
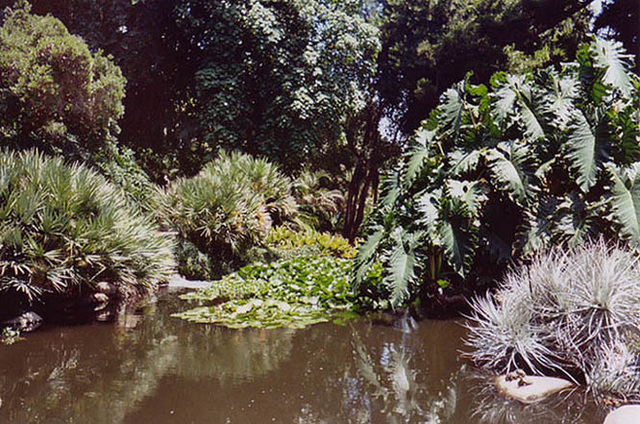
<point>628,414</point>
<point>530,388</point>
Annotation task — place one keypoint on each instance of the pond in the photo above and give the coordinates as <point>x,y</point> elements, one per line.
<point>151,368</point>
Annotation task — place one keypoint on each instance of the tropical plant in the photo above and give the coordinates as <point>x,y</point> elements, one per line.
<point>54,93</point>
<point>227,209</point>
<point>321,204</point>
<point>497,174</point>
<point>574,313</point>
<point>64,228</point>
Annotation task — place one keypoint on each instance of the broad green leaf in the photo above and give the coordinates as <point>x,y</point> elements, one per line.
<point>458,243</point>
<point>418,151</point>
<point>511,169</point>
<point>452,107</point>
<point>402,262</point>
<point>366,255</point>
<point>585,152</point>
<point>609,54</point>
<point>625,202</point>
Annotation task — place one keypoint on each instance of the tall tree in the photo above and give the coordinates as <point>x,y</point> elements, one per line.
<point>54,93</point>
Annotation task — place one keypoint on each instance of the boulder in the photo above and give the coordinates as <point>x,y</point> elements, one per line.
<point>26,322</point>
<point>529,388</point>
<point>628,414</point>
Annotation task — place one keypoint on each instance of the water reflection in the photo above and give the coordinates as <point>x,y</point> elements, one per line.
<point>150,367</point>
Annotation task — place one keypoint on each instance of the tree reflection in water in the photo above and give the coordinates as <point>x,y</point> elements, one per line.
<point>152,368</point>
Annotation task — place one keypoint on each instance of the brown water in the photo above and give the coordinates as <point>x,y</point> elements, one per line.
<point>151,368</point>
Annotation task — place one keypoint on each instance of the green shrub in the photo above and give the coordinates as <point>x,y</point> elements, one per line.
<point>283,238</point>
<point>573,313</point>
<point>65,228</point>
<point>228,208</point>
<point>293,293</point>
<point>500,173</point>
<point>118,164</point>
<point>54,93</point>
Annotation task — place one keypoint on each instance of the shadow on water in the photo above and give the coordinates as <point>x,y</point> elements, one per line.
<point>149,367</point>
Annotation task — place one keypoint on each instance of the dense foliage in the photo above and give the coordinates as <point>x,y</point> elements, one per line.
<point>497,174</point>
<point>429,45</point>
<point>287,242</point>
<point>571,313</point>
<point>64,228</point>
<point>294,293</point>
<point>54,93</point>
<point>229,207</point>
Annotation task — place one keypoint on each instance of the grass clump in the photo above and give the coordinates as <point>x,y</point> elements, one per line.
<point>291,293</point>
<point>574,313</point>
<point>64,228</point>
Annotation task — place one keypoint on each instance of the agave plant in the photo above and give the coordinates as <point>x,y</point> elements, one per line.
<point>64,228</point>
<point>499,173</point>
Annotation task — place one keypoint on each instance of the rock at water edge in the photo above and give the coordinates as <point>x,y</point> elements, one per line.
<point>529,388</point>
<point>628,414</point>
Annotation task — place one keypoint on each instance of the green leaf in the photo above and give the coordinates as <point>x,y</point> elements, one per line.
<point>610,55</point>
<point>625,203</point>
<point>452,108</point>
<point>511,167</point>
<point>586,155</point>
<point>366,256</point>
<point>402,263</point>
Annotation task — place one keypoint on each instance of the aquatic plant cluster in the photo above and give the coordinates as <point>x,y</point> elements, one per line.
<point>292,293</point>
<point>572,313</point>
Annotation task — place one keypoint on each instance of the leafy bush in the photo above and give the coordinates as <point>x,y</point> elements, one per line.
<point>575,313</point>
<point>118,164</point>
<point>229,207</point>
<point>54,93</point>
<point>498,174</point>
<point>283,238</point>
<point>293,293</point>
<point>65,228</point>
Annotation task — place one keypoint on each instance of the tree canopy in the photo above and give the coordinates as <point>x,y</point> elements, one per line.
<point>54,93</point>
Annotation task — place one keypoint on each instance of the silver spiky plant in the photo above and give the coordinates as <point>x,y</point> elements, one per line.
<point>569,312</point>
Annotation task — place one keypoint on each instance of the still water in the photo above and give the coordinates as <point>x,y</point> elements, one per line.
<point>151,368</point>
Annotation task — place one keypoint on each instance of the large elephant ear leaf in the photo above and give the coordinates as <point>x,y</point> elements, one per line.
<point>512,169</point>
<point>625,203</point>
<point>561,94</point>
<point>517,98</point>
<point>391,188</point>
<point>452,108</point>
<point>610,55</point>
<point>366,256</point>
<point>586,153</point>
<point>418,152</point>
<point>402,265</point>
<point>457,234</point>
